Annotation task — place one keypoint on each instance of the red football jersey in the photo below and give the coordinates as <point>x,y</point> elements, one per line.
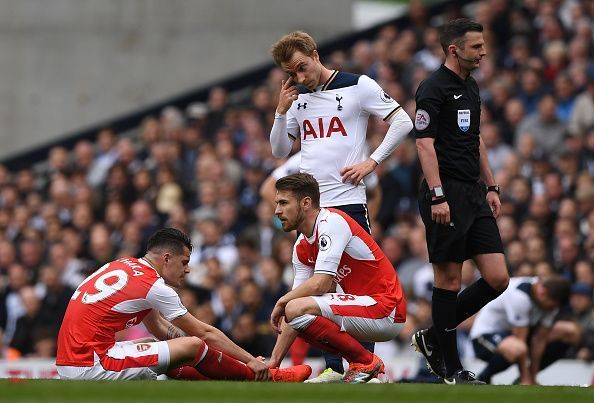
<point>341,248</point>
<point>117,296</point>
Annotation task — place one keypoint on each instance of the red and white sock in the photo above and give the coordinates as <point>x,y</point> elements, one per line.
<point>217,365</point>
<point>325,334</point>
<point>186,373</point>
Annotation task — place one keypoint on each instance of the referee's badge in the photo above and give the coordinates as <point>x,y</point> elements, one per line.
<point>464,119</point>
<point>422,120</point>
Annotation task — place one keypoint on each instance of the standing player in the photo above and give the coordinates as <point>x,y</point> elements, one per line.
<point>500,331</point>
<point>332,249</point>
<point>328,111</point>
<point>373,190</point>
<point>128,291</point>
<point>457,210</point>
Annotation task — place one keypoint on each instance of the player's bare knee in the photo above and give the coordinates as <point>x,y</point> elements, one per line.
<point>499,282</point>
<point>194,344</point>
<point>293,309</point>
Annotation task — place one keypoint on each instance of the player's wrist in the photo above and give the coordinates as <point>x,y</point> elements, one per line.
<point>279,113</point>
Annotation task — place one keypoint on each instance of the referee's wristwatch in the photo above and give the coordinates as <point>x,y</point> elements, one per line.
<point>494,188</point>
<point>437,192</point>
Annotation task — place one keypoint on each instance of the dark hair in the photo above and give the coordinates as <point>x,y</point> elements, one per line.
<point>453,32</point>
<point>558,289</point>
<point>302,185</point>
<point>171,239</point>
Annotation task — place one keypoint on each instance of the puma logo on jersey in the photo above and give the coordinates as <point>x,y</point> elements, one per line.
<point>324,129</point>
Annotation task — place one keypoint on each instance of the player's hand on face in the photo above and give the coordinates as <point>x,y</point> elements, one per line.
<point>260,369</point>
<point>276,316</point>
<point>288,94</point>
<point>494,202</point>
<point>355,173</point>
<point>440,213</point>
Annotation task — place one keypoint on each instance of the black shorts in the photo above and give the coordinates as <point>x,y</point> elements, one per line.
<point>485,346</point>
<point>473,229</point>
<point>357,212</point>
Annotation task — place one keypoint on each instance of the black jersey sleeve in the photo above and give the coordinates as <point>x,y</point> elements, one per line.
<point>428,100</point>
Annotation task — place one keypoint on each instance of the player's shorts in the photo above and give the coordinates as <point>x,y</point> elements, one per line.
<point>485,346</point>
<point>359,316</point>
<point>473,229</point>
<point>357,212</point>
<point>125,360</point>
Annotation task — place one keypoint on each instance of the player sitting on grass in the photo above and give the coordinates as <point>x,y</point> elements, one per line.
<point>128,291</point>
<point>333,248</point>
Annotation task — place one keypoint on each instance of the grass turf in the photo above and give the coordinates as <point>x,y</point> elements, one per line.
<point>212,391</point>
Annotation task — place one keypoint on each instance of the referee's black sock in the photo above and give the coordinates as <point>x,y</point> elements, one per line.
<point>495,365</point>
<point>444,323</point>
<point>473,298</point>
<point>470,301</point>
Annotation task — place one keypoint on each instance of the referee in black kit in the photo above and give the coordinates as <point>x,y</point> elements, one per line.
<point>458,199</point>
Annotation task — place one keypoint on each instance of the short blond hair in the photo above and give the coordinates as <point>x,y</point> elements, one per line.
<point>298,41</point>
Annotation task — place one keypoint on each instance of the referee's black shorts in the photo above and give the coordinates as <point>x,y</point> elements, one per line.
<point>473,229</point>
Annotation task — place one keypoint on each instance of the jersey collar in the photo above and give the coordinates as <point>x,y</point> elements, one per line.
<point>456,76</point>
<point>146,263</point>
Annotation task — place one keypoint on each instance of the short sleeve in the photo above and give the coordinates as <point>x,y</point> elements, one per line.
<point>517,309</point>
<point>428,101</point>
<point>291,166</point>
<point>375,100</point>
<point>164,299</point>
<point>333,236</point>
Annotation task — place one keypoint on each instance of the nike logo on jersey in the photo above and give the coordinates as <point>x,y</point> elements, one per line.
<point>449,330</point>
<point>457,96</point>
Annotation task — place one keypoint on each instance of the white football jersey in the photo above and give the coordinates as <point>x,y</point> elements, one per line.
<point>332,125</point>
<point>292,166</point>
<point>513,308</point>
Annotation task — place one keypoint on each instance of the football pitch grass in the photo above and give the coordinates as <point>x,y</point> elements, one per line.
<point>46,391</point>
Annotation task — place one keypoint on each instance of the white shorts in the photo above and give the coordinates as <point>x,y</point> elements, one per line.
<point>355,315</point>
<point>125,360</point>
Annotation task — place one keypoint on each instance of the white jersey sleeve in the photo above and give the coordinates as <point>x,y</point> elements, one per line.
<point>375,100</point>
<point>334,234</point>
<point>164,299</point>
<point>292,124</point>
<point>301,271</point>
<point>517,308</point>
<point>291,166</point>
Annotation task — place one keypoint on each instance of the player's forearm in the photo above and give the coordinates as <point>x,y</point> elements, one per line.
<point>219,341</point>
<point>316,285</point>
<point>279,140</point>
<point>399,128</point>
<point>486,173</point>
<point>429,165</point>
<point>537,348</point>
<point>283,343</point>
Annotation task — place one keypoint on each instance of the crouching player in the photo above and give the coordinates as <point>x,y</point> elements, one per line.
<point>128,291</point>
<point>332,248</point>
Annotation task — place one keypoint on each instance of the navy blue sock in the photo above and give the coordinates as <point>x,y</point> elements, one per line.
<point>335,362</point>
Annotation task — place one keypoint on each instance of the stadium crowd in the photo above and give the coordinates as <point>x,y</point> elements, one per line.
<point>200,170</point>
